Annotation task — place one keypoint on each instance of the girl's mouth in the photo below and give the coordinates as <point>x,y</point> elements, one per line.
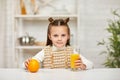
<point>59,43</point>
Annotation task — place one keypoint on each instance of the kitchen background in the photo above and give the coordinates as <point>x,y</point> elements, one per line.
<point>93,17</point>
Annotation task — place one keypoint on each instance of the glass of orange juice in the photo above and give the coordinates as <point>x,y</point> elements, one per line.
<point>73,58</point>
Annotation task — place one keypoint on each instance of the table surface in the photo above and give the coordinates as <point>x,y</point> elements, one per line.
<point>61,74</point>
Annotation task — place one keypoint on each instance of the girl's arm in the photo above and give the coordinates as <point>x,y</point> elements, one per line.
<point>85,63</point>
<point>39,57</point>
<point>88,63</point>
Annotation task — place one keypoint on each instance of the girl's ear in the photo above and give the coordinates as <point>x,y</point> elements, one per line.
<point>49,36</point>
<point>68,37</point>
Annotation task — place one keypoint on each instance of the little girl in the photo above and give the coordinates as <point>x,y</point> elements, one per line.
<point>57,52</point>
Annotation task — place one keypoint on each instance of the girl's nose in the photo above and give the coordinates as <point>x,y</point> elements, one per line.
<point>59,38</point>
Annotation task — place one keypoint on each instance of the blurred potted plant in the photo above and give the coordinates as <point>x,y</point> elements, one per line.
<point>113,43</point>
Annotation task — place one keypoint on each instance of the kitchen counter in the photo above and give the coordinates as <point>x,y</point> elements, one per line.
<point>61,74</point>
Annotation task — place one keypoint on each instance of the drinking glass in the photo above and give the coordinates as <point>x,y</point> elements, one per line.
<point>73,58</point>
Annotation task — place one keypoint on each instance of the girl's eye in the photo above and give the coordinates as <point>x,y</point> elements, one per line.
<point>55,35</point>
<point>63,35</point>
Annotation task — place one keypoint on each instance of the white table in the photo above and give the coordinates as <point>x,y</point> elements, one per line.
<point>61,74</point>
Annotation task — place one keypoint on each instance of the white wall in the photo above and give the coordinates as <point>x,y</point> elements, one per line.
<point>6,41</point>
<point>2,29</point>
<point>93,21</point>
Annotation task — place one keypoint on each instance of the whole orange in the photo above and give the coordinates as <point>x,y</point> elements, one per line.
<point>33,65</point>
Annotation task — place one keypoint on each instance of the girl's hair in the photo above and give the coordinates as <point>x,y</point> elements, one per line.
<point>56,23</point>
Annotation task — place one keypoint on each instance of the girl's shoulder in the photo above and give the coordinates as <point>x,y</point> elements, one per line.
<point>47,48</point>
<point>69,47</point>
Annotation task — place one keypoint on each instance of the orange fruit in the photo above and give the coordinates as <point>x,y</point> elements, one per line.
<point>33,65</point>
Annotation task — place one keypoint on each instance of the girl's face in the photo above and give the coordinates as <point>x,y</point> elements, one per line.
<point>59,36</point>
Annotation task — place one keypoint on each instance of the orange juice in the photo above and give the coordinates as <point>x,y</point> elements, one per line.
<point>73,58</point>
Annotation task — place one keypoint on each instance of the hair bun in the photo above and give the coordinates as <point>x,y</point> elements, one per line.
<point>50,19</point>
<point>67,20</point>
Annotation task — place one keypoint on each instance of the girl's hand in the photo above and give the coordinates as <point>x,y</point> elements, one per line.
<point>27,62</point>
<point>80,64</point>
